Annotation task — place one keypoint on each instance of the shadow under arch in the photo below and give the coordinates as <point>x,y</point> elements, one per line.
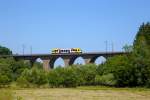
<point>98,60</point>
<point>57,62</point>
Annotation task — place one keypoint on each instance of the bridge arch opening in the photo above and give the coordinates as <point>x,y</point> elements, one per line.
<point>38,63</point>
<point>79,61</point>
<point>59,62</point>
<point>39,60</point>
<point>100,60</point>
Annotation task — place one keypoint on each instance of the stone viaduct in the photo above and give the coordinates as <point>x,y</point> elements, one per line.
<point>49,59</point>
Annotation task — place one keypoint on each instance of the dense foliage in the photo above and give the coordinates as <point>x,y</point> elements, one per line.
<point>130,70</point>
<point>5,51</point>
<point>10,70</point>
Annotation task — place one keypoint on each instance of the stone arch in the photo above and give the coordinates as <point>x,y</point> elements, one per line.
<point>78,60</point>
<point>59,61</point>
<point>98,60</point>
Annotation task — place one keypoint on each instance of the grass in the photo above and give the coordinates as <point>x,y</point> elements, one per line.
<point>6,94</point>
<point>112,88</point>
<point>82,93</point>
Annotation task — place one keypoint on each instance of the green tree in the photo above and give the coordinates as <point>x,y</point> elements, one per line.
<point>17,67</point>
<point>12,69</point>
<point>5,51</point>
<point>143,36</point>
<point>119,68</point>
<point>141,53</point>
<point>133,69</point>
<point>5,72</point>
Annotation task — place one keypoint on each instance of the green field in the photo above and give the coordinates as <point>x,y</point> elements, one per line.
<point>82,93</point>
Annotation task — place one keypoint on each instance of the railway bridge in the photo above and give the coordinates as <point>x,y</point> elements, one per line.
<point>49,59</point>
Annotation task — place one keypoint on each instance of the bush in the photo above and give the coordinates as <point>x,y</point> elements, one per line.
<point>4,80</point>
<point>34,77</point>
<point>23,82</point>
<point>63,77</point>
<point>107,80</point>
<point>70,77</point>
<point>17,67</point>
<point>86,74</point>
<point>12,69</point>
<point>54,78</point>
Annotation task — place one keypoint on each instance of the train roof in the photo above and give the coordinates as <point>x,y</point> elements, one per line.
<point>64,48</point>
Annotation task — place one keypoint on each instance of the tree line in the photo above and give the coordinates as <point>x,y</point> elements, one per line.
<point>130,70</point>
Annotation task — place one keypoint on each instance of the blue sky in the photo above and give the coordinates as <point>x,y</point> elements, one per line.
<point>87,24</point>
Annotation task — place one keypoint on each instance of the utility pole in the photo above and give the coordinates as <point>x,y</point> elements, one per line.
<point>23,47</point>
<point>112,47</point>
<point>31,50</point>
<point>106,44</point>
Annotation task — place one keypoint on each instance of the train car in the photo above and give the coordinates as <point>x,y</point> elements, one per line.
<point>75,50</point>
<point>66,51</point>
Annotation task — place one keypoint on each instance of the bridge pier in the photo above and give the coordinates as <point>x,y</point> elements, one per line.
<point>87,61</point>
<point>66,61</point>
<point>46,64</point>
